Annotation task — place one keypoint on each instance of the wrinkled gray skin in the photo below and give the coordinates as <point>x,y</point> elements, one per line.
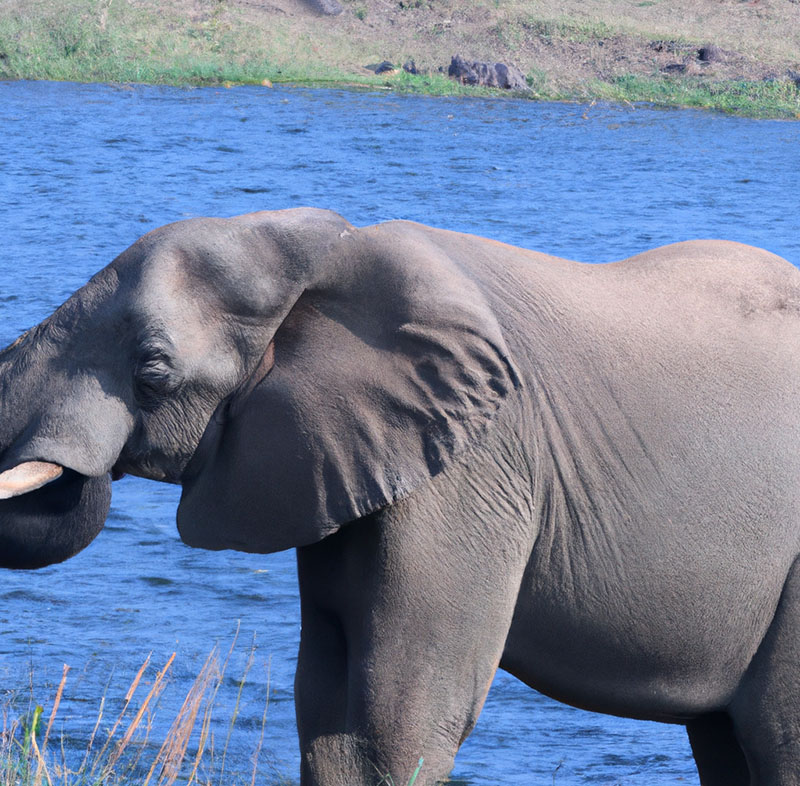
<point>586,474</point>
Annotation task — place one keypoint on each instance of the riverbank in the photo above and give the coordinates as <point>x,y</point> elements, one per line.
<point>730,55</point>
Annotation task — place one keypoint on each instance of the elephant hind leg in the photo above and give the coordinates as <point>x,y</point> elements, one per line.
<point>766,706</point>
<point>719,757</point>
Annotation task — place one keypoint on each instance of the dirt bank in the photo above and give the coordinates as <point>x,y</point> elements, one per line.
<point>565,44</point>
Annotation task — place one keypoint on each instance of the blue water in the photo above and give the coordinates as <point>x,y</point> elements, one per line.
<point>85,170</point>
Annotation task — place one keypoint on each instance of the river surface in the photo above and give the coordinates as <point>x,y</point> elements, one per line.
<point>85,170</point>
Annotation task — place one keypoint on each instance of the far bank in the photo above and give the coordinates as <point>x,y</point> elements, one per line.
<point>727,55</point>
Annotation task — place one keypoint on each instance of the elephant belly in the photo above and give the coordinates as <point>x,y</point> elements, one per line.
<point>656,641</point>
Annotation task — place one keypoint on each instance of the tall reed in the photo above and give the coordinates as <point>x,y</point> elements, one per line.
<point>119,751</point>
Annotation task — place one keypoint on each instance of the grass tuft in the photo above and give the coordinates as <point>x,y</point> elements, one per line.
<point>127,756</point>
<point>752,99</point>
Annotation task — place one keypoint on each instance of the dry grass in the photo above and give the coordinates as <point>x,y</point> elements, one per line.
<point>123,753</point>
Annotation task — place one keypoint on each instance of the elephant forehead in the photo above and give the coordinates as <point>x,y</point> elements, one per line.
<point>173,310</point>
<point>218,261</point>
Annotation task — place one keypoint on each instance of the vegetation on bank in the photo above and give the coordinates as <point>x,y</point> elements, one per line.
<point>617,50</point>
<point>739,97</point>
<point>37,747</point>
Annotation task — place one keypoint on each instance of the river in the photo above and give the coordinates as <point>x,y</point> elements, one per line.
<point>86,169</point>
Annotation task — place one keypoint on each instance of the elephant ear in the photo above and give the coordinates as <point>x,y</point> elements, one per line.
<point>378,382</point>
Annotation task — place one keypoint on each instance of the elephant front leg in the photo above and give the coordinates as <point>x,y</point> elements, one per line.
<point>328,755</point>
<point>404,623</point>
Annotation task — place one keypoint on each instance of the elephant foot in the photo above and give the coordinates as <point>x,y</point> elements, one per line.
<point>346,760</point>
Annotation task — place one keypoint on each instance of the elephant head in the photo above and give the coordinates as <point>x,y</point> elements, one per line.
<point>292,372</point>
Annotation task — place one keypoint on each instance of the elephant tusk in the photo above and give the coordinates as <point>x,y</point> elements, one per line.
<point>28,476</point>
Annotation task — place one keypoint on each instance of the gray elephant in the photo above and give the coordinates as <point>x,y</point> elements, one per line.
<point>584,474</point>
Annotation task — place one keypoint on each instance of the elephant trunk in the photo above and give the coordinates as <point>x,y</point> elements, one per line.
<point>55,490</point>
<point>50,506</point>
<point>54,522</point>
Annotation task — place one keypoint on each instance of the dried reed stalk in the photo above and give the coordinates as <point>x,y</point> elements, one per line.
<point>128,697</point>
<point>205,735</point>
<point>235,714</point>
<point>56,702</point>
<point>41,767</point>
<point>171,755</point>
<point>93,735</point>
<point>263,725</point>
<point>154,691</point>
<point>40,764</point>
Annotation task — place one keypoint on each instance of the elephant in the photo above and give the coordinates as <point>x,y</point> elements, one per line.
<point>484,456</point>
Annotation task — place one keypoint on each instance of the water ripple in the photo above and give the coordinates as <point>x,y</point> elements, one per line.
<point>86,169</point>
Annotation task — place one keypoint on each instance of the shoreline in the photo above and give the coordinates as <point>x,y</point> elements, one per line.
<point>605,50</point>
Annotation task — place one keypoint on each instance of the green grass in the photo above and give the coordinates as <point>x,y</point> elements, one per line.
<point>751,99</point>
<point>433,84</point>
<point>98,41</point>
<point>86,40</point>
<point>779,99</point>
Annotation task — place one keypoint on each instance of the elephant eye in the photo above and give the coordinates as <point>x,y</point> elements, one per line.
<point>154,379</point>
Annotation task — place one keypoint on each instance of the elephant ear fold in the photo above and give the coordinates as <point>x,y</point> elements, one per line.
<point>366,401</point>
